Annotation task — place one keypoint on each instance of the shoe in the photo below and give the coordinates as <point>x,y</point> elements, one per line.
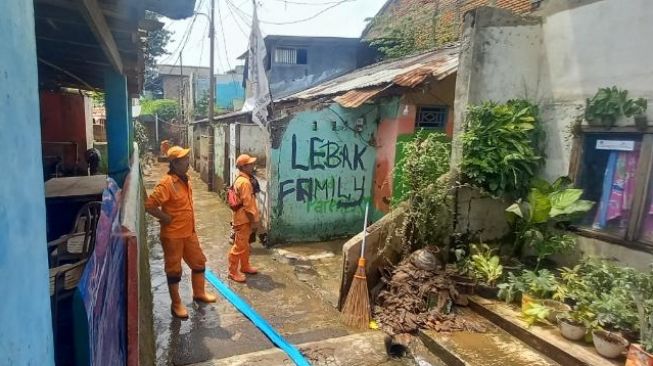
<point>250,270</point>
<point>177,308</point>
<point>238,277</point>
<point>199,291</point>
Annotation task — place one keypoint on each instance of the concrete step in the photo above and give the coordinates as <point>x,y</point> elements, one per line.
<point>492,348</point>
<point>362,349</point>
<point>544,338</point>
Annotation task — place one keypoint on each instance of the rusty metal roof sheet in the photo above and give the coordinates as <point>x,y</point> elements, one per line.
<point>371,80</point>
<point>355,98</point>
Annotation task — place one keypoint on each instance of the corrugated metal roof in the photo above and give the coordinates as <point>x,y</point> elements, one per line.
<point>355,98</point>
<point>409,72</point>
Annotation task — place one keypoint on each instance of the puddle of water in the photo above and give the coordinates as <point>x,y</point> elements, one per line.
<point>495,350</point>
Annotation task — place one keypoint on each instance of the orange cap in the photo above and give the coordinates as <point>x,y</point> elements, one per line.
<point>245,159</point>
<point>177,152</point>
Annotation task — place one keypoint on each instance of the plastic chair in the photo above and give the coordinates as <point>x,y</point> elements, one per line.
<point>79,244</point>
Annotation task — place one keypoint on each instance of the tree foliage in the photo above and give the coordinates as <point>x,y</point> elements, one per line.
<point>156,43</point>
<point>166,109</point>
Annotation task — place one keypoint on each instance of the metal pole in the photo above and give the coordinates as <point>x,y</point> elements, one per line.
<point>156,129</point>
<point>211,184</point>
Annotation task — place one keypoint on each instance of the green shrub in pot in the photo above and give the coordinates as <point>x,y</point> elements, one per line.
<point>540,285</point>
<point>486,267</point>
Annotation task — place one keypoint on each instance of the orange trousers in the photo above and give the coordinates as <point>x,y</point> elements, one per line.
<point>239,253</point>
<point>188,249</point>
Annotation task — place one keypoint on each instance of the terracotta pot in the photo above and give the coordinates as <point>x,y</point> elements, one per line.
<point>488,292</point>
<point>638,357</point>
<point>555,308</point>
<point>609,345</point>
<point>569,330</point>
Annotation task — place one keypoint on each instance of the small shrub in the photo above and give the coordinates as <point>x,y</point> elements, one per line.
<point>502,149</point>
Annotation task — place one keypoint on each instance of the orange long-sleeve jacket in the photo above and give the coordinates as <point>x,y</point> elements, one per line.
<point>245,191</point>
<point>175,197</point>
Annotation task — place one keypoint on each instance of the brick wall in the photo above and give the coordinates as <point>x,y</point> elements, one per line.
<point>448,15</point>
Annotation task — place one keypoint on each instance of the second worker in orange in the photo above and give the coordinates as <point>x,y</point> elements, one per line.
<point>245,219</point>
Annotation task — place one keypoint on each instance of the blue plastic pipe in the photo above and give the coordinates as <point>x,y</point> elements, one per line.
<point>258,321</point>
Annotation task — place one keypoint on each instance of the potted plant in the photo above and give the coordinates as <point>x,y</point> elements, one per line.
<point>555,308</point>
<point>637,108</point>
<point>530,285</point>
<point>486,268</point>
<point>535,312</point>
<point>571,327</point>
<point>605,107</point>
<point>609,344</point>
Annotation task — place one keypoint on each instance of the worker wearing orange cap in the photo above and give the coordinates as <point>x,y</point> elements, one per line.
<point>172,203</point>
<point>245,219</point>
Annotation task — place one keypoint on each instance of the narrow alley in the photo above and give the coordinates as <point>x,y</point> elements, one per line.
<point>301,312</point>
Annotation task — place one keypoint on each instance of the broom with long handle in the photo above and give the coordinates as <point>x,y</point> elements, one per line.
<point>356,311</point>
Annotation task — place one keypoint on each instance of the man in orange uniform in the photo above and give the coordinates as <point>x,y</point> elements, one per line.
<point>245,220</point>
<point>172,203</point>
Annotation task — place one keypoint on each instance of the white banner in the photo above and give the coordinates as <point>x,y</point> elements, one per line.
<point>257,89</point>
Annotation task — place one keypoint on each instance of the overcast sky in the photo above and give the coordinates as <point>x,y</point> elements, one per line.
<point>337,18</point>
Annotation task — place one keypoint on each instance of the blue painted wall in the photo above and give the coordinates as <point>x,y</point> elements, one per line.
<point>26,336</point>
<point>226,93</point>
<point>321,173</point>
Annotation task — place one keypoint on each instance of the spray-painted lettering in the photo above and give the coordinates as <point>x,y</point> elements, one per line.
<point>328,155</point>
<point>325,194</point>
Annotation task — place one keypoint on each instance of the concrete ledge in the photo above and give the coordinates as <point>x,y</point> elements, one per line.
<point>545,339</point>
<point>363,349</point>
<point>444,353</point>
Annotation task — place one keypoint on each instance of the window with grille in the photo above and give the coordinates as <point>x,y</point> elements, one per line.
<point>432,117</point>
<point>291,56</point>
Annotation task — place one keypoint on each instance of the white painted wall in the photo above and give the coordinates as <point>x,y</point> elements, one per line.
<point>601,44</point>
<point>253,140</point>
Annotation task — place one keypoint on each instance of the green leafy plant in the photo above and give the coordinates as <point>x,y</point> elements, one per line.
<point>641,287</point>
<point>536,313</point>
<point>537,220</point>
<point>140,136</point>
<point>166,109</point>
<point>428,220</point>
<point>502,147</point>
<point>608,104</point>
<point>485,266</point>
<point>635,107</point>
<point>540,285</point>
<point>606,291</point>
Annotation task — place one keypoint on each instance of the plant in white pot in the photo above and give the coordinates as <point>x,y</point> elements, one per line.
<point>642,354</point>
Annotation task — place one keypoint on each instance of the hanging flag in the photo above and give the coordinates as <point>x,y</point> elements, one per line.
<point>257,97</point>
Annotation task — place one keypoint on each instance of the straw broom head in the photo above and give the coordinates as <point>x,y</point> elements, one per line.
<point>356,311</point>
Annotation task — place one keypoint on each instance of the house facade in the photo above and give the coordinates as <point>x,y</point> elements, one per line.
<point>333,148</point>
<point>552,58</point>
<point>296,63</point>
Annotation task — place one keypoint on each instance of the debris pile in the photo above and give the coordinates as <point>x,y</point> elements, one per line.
<point>419,296</point>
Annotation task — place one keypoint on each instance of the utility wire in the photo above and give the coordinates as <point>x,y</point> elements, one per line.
<point>224,42</point>
<point>310,3</point>
<point>335,4</point>
<point>229,5</point>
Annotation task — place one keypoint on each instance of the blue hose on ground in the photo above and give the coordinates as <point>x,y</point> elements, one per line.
<point>258,321</point>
